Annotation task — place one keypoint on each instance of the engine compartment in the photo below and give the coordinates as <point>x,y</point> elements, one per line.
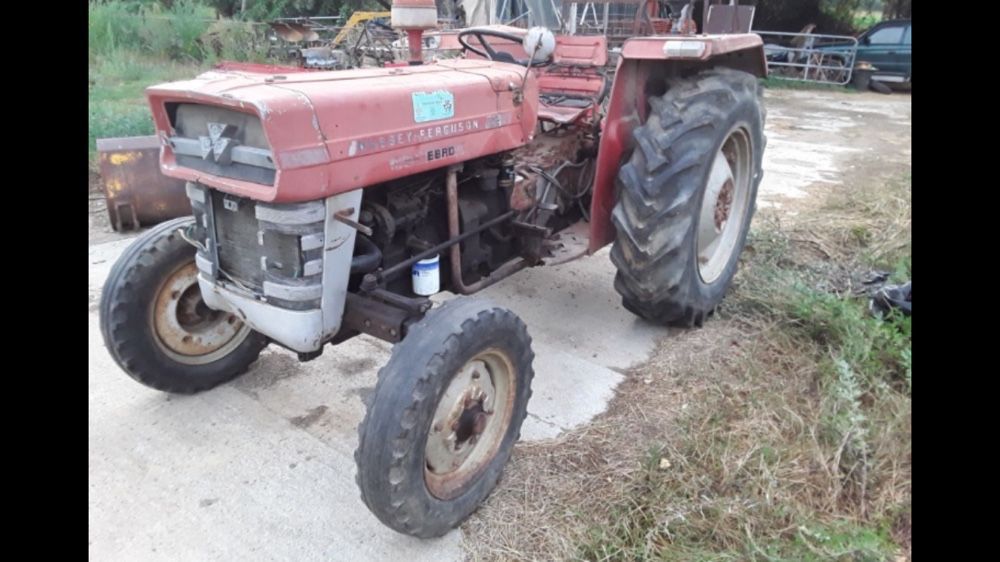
<point>544,187</point>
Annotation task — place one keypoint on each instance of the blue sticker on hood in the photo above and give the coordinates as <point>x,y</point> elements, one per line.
<point>432,106</point>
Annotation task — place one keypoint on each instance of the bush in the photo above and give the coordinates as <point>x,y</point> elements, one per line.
<point>109,119</point>
<point>830,16</point>
<point>174,32</point>
<point>114,25</point>
<point>234,40</point>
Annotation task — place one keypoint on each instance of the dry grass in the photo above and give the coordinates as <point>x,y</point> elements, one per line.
<point>556,485</point>
<point>780,431</point>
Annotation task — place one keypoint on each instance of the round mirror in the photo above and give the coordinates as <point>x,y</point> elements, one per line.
<point>539,43</point>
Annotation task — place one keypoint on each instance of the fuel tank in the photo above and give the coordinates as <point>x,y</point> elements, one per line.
<point>305,136</point>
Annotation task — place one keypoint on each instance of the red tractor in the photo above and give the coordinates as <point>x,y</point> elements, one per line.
<point>330,204</point>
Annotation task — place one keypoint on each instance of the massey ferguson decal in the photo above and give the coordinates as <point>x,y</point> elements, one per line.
<point>423,134</point>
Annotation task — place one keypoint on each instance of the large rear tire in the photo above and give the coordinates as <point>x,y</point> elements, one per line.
<point>156,325</point>
<point>444,417</point>
<point>687,195</point>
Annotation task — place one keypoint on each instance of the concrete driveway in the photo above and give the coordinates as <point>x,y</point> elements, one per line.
<point>262,468</point>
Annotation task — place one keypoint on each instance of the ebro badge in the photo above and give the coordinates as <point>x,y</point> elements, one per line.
<point>431,106</point>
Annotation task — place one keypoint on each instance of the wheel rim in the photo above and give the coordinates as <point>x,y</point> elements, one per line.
<point>724,206</point>
<point>470,423</point>
<point>183,326</point>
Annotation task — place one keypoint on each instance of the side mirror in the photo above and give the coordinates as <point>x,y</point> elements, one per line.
<point>866,40</point>
<point>539,43</point>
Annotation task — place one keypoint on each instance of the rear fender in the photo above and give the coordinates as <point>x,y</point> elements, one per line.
<point>644,65</point>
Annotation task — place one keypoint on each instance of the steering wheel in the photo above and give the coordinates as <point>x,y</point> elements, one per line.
<point>492,53</point>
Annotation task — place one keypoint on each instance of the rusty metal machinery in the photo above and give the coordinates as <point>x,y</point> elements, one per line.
<point>137,194</point>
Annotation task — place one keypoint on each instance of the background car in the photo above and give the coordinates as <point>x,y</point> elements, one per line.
<point>886,46</point>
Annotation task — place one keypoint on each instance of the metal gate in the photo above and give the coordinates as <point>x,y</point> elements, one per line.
<point>809,57</point>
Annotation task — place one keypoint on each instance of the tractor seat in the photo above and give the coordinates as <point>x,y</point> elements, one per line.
<point>573,84</point>
<point>556,108</point>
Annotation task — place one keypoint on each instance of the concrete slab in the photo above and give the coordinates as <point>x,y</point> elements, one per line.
<point>263,467</point>
<point>567,392</point>
<point>101,259</point>
<point>221,476</point>
<point>574,307</point>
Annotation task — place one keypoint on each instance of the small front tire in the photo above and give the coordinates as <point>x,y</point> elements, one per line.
<point>156,325</point>
<point>444,417</point>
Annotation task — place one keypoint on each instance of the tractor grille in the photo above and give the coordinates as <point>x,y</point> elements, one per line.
<point>221,142</point>
<point>236,227</point>
<point>274,250</point>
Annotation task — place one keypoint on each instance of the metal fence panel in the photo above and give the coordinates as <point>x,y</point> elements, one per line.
<point>810,57</point>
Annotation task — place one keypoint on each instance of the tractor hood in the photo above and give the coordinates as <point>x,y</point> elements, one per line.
<point>302,136</point>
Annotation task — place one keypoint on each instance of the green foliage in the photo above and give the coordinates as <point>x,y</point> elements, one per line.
<point>264,10</point>
<point>117,120</point>
<point>117,106</point>
<point>176,32</point>
<point>114,25</point>
<point>234,40</point>
<point>897,9</point>
<point>152,28</point>
<point>864,20</point>
<point>830,16</point>
<point>872,346</point>
<point>790,84</point>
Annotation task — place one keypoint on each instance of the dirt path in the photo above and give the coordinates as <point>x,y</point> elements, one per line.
<point>820,139</point>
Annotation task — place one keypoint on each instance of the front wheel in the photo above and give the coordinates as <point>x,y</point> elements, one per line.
<point>687,195</point>
<point>444,417</point>
<point>156,325</point>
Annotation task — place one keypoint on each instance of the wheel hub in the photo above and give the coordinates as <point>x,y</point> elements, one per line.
<point>185,328</point>
<point>724,206</point>
<point>469,423</point>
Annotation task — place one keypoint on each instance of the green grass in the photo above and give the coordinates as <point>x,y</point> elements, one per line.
<point>149,28</point>
<point>774,83</point>
<point>117,103</point>
<point>134,45</point>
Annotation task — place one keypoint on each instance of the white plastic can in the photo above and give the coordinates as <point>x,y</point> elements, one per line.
<point>426,276</point>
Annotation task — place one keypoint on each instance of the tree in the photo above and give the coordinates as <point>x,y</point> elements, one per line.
<point>264,10</point>
<point>893,9</point>
<point>830,16</point>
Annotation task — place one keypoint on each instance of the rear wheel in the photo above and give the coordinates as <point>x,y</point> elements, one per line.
<point>156,325</point>
<point>444,417</point>
<point>686,196</point>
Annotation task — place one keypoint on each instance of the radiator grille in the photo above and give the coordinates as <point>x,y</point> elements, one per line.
<point>248,249</point>
<point>237,146</point>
